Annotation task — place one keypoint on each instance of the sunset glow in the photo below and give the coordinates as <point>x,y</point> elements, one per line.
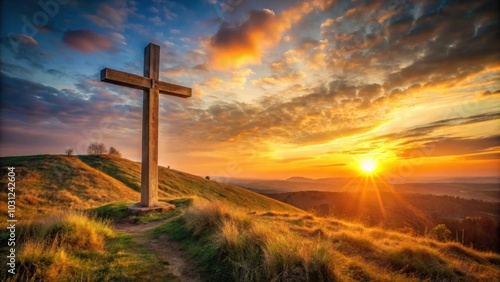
<point>368,166</point>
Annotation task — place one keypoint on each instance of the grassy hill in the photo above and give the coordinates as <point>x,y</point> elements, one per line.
<point>230,234</point>
<point>52,182</point>
<point>46,183</point>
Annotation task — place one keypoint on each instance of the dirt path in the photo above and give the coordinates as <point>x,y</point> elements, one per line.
<point>132,228</point>
<point>165,248</point>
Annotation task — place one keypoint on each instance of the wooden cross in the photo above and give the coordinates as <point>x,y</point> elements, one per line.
<point>152,86</point>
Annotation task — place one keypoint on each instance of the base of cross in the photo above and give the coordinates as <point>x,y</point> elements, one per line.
<point>138,208</point>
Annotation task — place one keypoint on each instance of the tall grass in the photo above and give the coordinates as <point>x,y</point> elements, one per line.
<point>55,248</point>
<point>258,252</point>
<point>297,247</point>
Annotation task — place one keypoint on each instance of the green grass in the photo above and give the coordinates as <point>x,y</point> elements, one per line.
<point>199,248</point>
<point>115,212</point>
<point>118,212</point>
<point>122,169</point>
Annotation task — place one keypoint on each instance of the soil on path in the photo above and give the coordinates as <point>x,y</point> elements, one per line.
<point>165,248</point>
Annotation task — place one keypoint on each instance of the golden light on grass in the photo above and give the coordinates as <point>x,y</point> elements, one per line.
<point>368,165</point>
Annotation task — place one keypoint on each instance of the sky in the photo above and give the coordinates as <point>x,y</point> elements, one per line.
<point>280,88</point>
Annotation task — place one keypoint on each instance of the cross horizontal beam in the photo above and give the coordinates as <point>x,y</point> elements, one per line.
<point>141,82</point>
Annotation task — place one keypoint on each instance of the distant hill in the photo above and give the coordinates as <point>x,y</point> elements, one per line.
<point>476,180</point>
<point>47,182</point>
<point>301,179</point>
<point>482,188</point>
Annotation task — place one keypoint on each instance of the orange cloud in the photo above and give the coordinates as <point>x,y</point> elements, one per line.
<point>234,46</point>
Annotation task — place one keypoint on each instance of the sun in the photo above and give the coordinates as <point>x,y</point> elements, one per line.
<point>368,166</point>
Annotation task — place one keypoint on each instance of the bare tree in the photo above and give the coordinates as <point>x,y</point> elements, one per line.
<point>114,152</point>
<point>68,151</point>
<point>96,149</point>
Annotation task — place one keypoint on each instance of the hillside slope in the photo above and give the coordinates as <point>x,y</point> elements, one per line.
<point>233,245</point>
<point>47,182</point>
<point>173,184</point>
<point>50,182</point>
<point>473,222</point>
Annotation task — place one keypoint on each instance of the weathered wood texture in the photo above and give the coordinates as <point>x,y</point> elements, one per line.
<point>139,82</point>
<point>151,87</point>
<point>149,169</point>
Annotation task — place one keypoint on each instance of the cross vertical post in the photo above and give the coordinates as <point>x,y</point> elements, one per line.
<point>152,86</point>
<point>149,168</point>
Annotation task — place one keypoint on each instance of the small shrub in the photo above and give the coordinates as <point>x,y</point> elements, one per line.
<point>440,232</point>
<point>114,152</point>
<point>96,149</point>
<point>68,152</point>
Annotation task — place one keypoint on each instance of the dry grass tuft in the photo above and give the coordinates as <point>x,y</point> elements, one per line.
<point>300,247</point>
<point>49,246</point>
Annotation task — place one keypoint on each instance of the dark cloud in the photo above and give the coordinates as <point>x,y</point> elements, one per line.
<point>15,70</point>
<point>456,146</point>
<point>57,73</point>
<point>33,113</point>
<point>33,103</point>
<point>421,133</point>
<point>370,91</point>
<point>87,41</point>
<point>23,39</point>
<point>488,156</point>
<point>489,93</point>
<point>26,48</point>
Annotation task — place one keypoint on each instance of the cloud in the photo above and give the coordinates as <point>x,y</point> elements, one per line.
<point>156,21</point>
<point>488,156</point>
<point>370,91</point>
<point>235,45</point>
<point>24,39</point>
<point>281,79</point>
<point>429,43</point>
<point>489,93</point>
<point>457,146</point>
<point>110,16</point>
<point>25,48</point>
<point>38,117</point>
<point>90,101</point>
<point>423,132</point>
<point>322,115</point>
<point>86,41</point>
